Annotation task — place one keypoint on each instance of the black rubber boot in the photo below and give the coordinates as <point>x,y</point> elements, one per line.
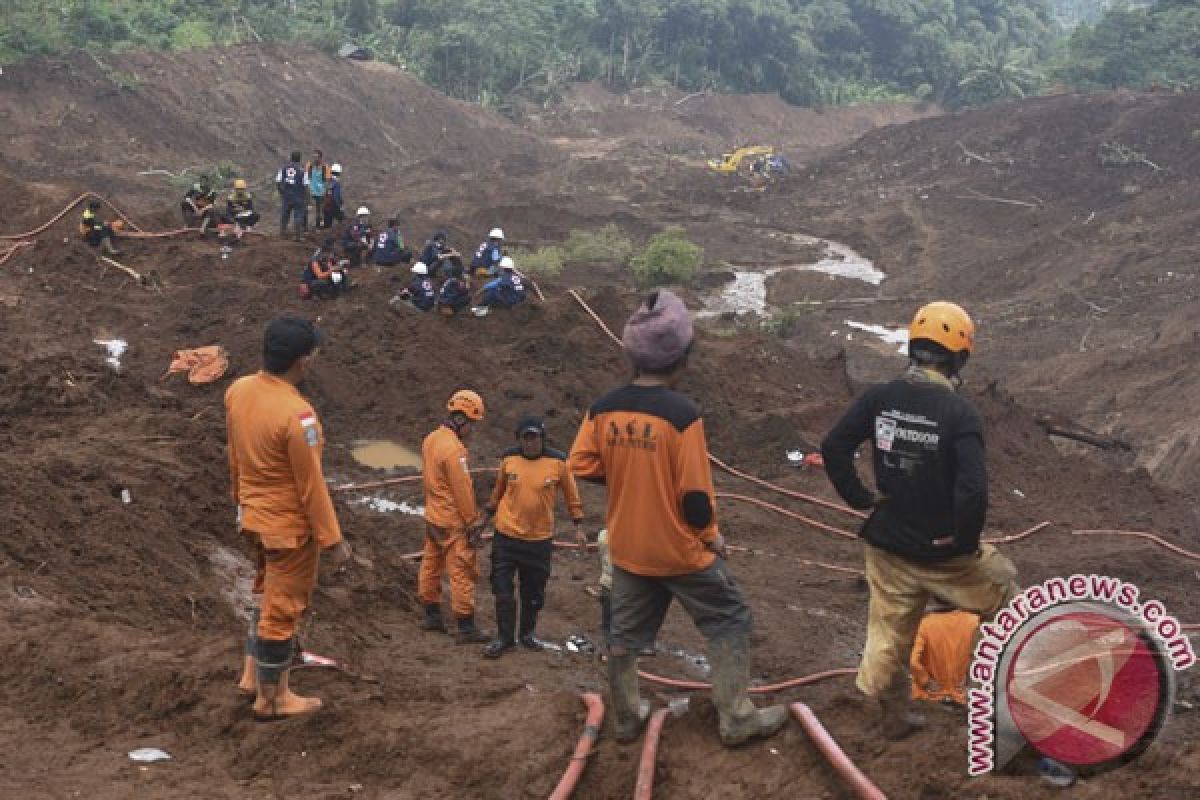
<point>630,711</point>
<point>740,720</point>
<point>506,619</point>
<point>433,619</point>
<point>468,633</point>
<point>897,719</point>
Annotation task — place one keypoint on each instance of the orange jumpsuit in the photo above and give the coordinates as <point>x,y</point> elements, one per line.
<point>450,509</point>
<point>942,653</point>
<point>526,491</point>
<point>275,444</point>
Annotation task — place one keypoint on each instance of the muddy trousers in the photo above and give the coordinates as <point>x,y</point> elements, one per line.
<point>529,563</point>
<point>983,583</point>
<point>286,578</point>
<point>451,556</point>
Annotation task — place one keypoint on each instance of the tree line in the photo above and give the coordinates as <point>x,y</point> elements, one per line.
<point>812,52</point>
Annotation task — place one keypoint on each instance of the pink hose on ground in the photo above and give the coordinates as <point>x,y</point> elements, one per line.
<point>583,749</point>
<point>1158,540</point>
<point>644,789</point>
<point>837,758</point>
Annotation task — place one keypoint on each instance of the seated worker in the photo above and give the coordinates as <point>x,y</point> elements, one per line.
<point>331,211</point>
<point>419,292</point>
<point>239,208</point>
<point>325,275</point>
<point>455,294</point>
<point>357,238</point>
<point>96,231</point>
<point>199,205</point>
<point>941,654</point>
<point>506,291</point>
<point>389,250</point>
<point>439,256</point>
<point>486,261</point>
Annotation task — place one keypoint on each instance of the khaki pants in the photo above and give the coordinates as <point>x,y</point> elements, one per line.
<point>454,556</point>
<point>900,588</point>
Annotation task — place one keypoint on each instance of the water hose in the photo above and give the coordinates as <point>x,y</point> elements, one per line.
<point>584,748</point>
<point>700,686</point>
<point>845,768</point>
<point>1158,540</point>
<point>779,510</point>
<point>644,788</point>
<point>42,228</point>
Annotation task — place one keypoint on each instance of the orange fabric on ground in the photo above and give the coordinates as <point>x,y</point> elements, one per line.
<point>455,557</point>
<point>647,444</point>
<point>202,364</point>
<point>275,444</point>
<point>289,577</point>
<point>942,653</point>
<point>449,490</point>
<point>526,491</point>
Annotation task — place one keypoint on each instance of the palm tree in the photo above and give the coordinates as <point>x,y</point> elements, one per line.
<point>1001,72</point>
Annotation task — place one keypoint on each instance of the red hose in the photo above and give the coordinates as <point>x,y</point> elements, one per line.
<point>1016,537</point>
<point>63,213</point>
<point>12,251</point>
<point>699,686</point>
<point>800,517</point>
<point>644,788</point>
<point>583,749</point>
<point>1158,540</point>
<point>837,758</point>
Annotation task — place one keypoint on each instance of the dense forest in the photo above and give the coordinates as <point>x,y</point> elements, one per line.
<point>812,52</point>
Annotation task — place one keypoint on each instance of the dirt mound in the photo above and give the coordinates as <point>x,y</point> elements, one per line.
<point>122,619</point>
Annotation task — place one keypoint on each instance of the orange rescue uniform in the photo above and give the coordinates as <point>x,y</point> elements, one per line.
<point>450,510</point>
<point>525,493</point>
<point>942,653</point>
<point>275,445</point>
<point>647,444</point>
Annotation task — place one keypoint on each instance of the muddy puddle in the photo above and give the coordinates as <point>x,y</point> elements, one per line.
<point>748,290</point>
<point>385,454</point>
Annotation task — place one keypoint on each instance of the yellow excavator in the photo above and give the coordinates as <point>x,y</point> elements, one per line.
<point>730,163</point>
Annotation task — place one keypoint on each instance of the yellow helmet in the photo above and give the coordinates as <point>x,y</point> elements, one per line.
<point>946,325</point>
<point>467,403</point>
<point>240,183</point>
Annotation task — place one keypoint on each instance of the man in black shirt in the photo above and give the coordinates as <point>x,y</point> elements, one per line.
<point>922,536</point>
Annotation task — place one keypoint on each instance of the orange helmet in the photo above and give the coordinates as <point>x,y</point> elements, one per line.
<point>467,403</point>
<point>946,325</point>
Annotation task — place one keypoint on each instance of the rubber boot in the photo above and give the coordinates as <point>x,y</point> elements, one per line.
<point>433,618</point>
<point>528,624</point>
<point>630,711</point>
<point>506,619</point>
<point>278,701</point>
<point>740,720</point>
<point>468,633</point>
<point>897,719</point>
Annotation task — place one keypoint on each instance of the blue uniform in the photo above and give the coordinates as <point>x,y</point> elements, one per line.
<point>388,249</point>
<point>487,257</point>
<point>422,294</point>
<point>454,294</point>
<point>506,291</point>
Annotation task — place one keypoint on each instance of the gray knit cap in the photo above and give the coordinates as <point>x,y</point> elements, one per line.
<point>659,332</point>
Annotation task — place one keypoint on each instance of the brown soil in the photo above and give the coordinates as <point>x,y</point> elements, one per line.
<point>122,620</point>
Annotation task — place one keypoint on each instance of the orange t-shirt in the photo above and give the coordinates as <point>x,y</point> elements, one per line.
<point>449,490</point>
<point>942,652</point>
<point>275,445</point>
<point>647,444</point>
<point>525,493</point>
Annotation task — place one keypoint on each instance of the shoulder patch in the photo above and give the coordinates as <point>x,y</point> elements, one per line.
<point>307,418</point>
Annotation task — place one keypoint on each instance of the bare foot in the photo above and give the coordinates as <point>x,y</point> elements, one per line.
<point>285,704</point>
<point>248,685</point>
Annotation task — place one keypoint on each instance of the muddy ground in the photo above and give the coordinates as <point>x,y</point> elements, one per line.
<point>122,619</point>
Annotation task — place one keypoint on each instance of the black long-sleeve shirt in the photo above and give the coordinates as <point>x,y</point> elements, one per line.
<point>929,466</point>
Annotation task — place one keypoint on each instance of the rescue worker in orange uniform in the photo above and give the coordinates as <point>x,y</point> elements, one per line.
<point>453,524</point>
<point>275,444</point>
<point>646,442</point>
<point>530,478</point>
<point>942,653</point>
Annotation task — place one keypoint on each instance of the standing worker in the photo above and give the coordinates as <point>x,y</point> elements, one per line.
<point>332,209</point>
<point>317,175</point>
<point>275,444</point>
<point>292,184</point>
<point>646,442</point>
<point>528,483</point>
<point>453,525</point>
<point>922,536</point>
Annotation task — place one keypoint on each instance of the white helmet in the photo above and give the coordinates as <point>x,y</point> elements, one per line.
<point>496,233</point>
<point>336,169</point>
<point>419,268</point>
<point>363,211</point>
<point>507,263</point>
